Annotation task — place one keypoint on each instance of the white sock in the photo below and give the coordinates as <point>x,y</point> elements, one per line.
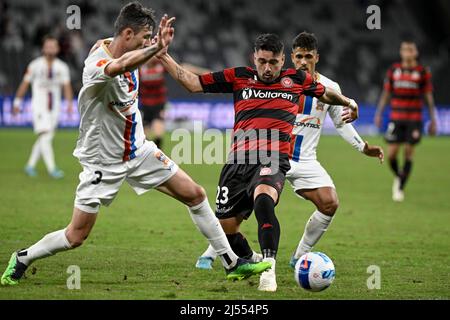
<point>47,150</point>
<point>35,153</point>
<point>315,228</point>
<point>272,262</point>
<point>209,226</point>
<point>210,252</point>
<point>49,245</point>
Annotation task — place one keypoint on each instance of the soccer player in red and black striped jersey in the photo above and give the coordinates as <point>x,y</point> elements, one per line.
<point>406,84</point>
<point>266,102</point>
<point>153,98</point>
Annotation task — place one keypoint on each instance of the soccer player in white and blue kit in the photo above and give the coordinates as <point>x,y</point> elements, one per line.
<point>47,75</point>
<point>307,177</point>
<point>112,148</point>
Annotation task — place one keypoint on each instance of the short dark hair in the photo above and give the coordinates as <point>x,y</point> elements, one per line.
<point>135,16</point>
<point>49,37</point>
<point>269,42</point>
<point>305,40</point>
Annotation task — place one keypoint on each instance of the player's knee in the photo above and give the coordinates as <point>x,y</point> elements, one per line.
<point>329,207</point>
<point>196,195</point>
<point>76,238</point>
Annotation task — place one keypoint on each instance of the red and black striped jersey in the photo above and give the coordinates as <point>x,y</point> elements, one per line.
<point>152,85</point>
<point>266,109</point>
<point>407,86</point>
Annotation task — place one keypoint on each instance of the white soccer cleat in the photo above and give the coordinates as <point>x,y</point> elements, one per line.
<point>397,193</point>
<point>256,257</point>
<point>268,280</point>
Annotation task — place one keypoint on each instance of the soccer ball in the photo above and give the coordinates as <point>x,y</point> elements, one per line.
<point>314,271</point>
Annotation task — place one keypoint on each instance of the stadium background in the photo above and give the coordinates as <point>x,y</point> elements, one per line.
<point>219,34</point>
<point>146,247</point>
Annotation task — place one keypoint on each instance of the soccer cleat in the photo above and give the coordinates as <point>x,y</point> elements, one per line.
<point>204,263</point>
<point>57,174</point>
<point>293,262</point>
<point>30,171</point>
<point>14,271</point>
<point>244,269</point>
<point>268,280</point>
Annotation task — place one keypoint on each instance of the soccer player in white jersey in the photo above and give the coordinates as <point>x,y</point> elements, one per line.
<point>47,75</point>
<point>112,148</point>
<point>307,177</point>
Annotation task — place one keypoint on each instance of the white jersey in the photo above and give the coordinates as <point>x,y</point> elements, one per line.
<point>46,82</point>
<point>308,125</point>
<point>111,128</point>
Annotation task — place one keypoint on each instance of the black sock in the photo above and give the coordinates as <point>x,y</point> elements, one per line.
<point>240,245</point>
<point>268,225</point>
<point>405,174</point>
<point>394,166</point>
<point>158,142</point>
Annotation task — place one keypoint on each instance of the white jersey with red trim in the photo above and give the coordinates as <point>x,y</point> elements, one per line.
<point>111,128</point>
<point>309,122</point>
<point>46,82</point>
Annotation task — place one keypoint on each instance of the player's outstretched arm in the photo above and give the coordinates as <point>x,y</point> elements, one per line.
<point>333,97</point>
<point>133,59</point>
<point>385,96</point>
<point>21,91</point>
<point>432,112</point>
<point>186,78</point>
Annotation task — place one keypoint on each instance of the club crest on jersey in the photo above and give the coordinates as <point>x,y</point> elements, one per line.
<point>101,62</point>
<point>397,73</point>
<point>265,171</point>
<point>319,106</point>
<point>164,159</point>
<point>415,75</point>
<point>287,82</point>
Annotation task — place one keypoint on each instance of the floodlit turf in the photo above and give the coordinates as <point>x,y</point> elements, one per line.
<point>146,247</point>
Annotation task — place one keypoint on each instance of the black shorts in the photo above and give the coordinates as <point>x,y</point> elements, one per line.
<point>151,113</point>
<point>238,183</point>
<point>404,132</point>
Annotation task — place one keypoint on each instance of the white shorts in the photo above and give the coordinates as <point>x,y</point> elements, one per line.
<point>99,184</point>
<point>308,174</point>
<point>44,121</point>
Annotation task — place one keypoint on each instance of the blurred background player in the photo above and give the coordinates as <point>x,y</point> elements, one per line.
<point>406,84</point>
<point>153,98</point>
<point>46,74</point>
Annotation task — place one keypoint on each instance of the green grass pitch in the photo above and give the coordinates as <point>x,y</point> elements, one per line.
<point>146,247</point>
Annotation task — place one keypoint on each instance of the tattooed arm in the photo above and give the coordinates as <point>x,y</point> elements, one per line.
<point>186,78</point>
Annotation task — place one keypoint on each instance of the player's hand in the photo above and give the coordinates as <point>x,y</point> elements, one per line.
<point>15,110</point>
<point>377,120</point>
<point>165,32</point>
<point>432,129</point>
<point>350,112</point>
<point>69,109</point>
<point>373,151</point>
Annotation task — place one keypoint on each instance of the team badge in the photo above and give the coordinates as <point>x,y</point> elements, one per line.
<point>265,171</point>
<point>415,75</point>
<point>319,106</point>
<point>164,159</point>
<point>101,62</point>
<point>287,82</point>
